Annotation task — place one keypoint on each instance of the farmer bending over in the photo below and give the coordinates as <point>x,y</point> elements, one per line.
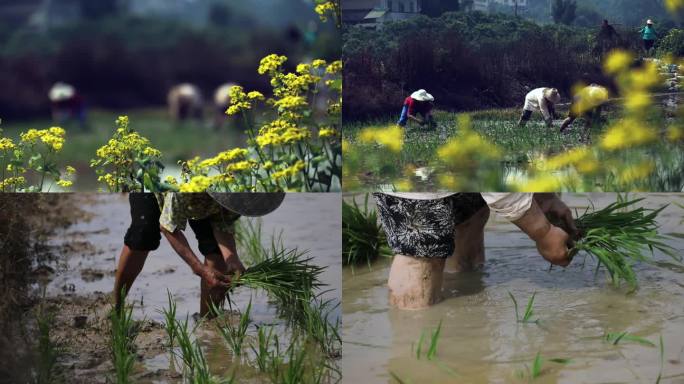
<point>211,217</point>
<point>649,36</point>
<point>540,99</point>
<point>431,232</point>
<point>587,103</point>
<point>420,102</point>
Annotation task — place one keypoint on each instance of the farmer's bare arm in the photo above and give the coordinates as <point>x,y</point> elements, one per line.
<point>557,212</point>
<point>415,118</point>
<point>551,240</point>
<point>226,243</point>
<point>180,244</point>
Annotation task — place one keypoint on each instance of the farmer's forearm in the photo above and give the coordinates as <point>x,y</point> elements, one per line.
<point>534,223</point>
<point>179,243</point>
<point>415,118</point>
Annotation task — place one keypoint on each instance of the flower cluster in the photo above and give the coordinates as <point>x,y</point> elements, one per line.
<point>124,162</point>
<point>326,8</point>
<point>296,147</point>
<point>33,158</point>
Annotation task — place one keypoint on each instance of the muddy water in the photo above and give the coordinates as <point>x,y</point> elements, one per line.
<point>480,340</point>
<point>91,248</point>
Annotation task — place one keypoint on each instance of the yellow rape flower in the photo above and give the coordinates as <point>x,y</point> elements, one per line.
<point>675,133</point>
<point>255,95</point>
<point>327,132</point>
<point>391,137</point>
<point>239,166</point>
<point>542,183</point>
<point>6,144</point>
<point>674,5</point>
<point>324,9</point>
<point>196,184</point>
<point>334,67</point>
<point>70,170</point>
<point>617,61</point>
<point>65,183</point>
<point>303,68</point>
<point>636,172</point>
<point>12,182</point>
<point>449,181</point>
<point>626,134</point>
<point>271,64</point>
<point>318,63</point>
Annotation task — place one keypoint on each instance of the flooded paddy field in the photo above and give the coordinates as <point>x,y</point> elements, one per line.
<point>76,284</point>
<point>480,340</point>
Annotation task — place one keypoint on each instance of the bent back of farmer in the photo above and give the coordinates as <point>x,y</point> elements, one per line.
<point>542,100</point>
<point>586,103</point>
<point>420,102</point>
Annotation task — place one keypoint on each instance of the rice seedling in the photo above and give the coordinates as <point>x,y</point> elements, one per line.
<point>123,334</point>
<point>536,369</point>
<point>286,275</point>
<point>195,366</point>
<point>315,321</point>
<point>432,348</point>
<point>233,335</point>
<point>295,369</point>
<point>170,319</point>
<point>662,360</point>
<point>261,349</point>
<point>363,239</point>
<point>618,237</point>
<point>616,338</point>
<point>249,237</point>
<point>529,311</point>
<point>48,351</point>
<point>399,379</point>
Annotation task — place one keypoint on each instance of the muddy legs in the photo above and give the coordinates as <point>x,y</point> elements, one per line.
<point>469,253</point>
<point>131,262</point>
<point>415,283</point>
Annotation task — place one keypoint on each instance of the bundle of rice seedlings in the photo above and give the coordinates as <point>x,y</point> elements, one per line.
<point>363,239</point>
<point>286,275</point>
<point>618,237</point>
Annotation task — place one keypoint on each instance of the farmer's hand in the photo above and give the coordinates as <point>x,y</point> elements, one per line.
<point>552,242</point>
<point>234,265</point>
<point>553,247</point>
<point>213,277</point>
<point>558,214</point>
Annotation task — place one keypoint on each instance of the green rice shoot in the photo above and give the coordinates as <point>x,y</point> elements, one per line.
<point>618,236</point>
<point>363,239</point>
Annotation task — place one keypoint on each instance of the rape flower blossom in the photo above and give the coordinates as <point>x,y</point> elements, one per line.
<point>392,137</point>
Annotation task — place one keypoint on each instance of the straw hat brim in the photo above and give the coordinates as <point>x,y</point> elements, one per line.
<point>422,96</point>
<point>249,204</point>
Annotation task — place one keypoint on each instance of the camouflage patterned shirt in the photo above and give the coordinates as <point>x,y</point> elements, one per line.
<point>177,208</point>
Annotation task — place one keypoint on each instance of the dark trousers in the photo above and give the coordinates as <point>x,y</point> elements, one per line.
<point>144,234</point>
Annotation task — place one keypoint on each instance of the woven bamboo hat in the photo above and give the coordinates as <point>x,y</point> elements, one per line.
<point>422,95</point>
<point>552,95</point>
<point>249,204</point>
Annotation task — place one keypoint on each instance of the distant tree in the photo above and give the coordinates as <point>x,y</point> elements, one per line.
<point>564,11</point>
<point>97,9</point>
<point>588,16</point>
<point>435,8</point>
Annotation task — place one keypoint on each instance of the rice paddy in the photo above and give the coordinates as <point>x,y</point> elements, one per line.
<point>158,336</point>
<point>591,331</point>
<point>418,166</point>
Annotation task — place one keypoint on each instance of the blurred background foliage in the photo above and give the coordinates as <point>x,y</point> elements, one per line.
<point>123,54</point>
